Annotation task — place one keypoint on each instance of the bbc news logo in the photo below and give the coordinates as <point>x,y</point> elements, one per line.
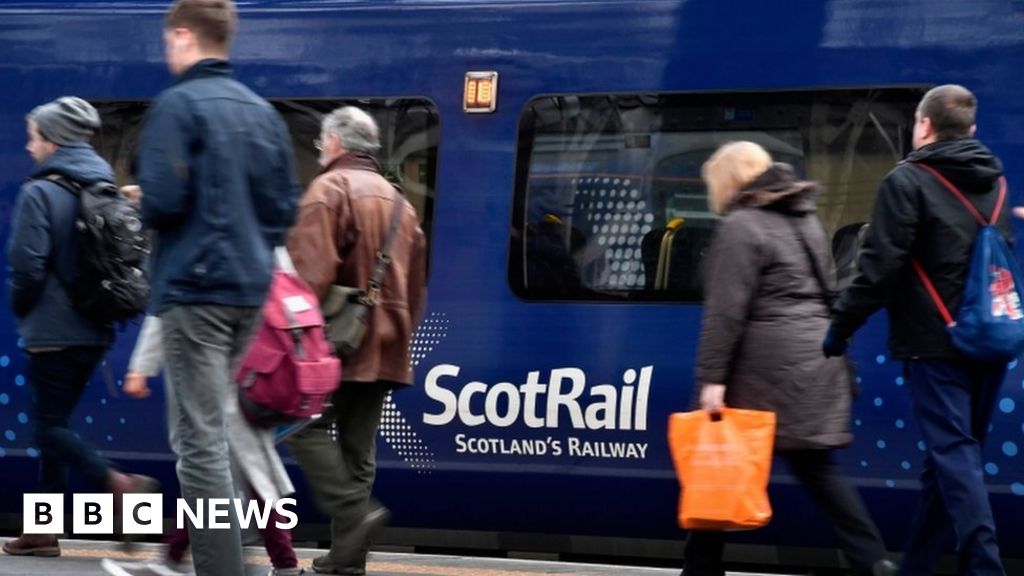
<point>143,513</point>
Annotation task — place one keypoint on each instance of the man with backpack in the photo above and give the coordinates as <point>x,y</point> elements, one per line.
<point>352,223</point>
<point>218,186</point>
<point>916,261</point>
<point>64,342</point>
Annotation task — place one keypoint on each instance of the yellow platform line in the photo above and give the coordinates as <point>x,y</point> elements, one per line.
<point>371,567</point>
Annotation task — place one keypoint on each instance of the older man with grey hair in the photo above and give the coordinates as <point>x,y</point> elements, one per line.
<point>344,220</point>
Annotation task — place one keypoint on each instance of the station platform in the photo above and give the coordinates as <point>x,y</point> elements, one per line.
<point>83,557</point>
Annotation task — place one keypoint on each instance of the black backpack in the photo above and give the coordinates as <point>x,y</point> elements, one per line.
<point>109,283</point>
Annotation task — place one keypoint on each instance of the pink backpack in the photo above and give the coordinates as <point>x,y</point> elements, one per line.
<point>289,370</point>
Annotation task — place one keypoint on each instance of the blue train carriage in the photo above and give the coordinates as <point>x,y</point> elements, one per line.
<point>567,227</point>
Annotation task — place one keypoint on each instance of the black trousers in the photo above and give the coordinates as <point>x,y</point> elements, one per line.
<point>817,472</point>
<point>58,379</point>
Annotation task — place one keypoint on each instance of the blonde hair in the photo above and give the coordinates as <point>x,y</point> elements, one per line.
<point>730,168</point>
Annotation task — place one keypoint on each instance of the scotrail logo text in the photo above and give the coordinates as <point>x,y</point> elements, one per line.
<point>541,404</point>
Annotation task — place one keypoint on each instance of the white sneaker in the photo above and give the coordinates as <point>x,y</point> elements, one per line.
<point>286,572</point>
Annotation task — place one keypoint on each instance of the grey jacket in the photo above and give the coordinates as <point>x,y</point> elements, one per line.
<point>765,315</point>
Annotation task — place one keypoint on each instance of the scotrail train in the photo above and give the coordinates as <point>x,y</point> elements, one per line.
<point>553,148</point>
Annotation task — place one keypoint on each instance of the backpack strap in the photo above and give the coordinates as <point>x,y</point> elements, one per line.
<point>64,182</point>
<point>928,285</point>
<point>963,199</point>
<point>943,311</point>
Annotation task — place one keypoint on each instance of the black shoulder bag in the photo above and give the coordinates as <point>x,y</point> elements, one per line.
<point>345,308</point>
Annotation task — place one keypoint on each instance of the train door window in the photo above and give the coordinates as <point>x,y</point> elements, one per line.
<point>409,132</point>
<point>609,204</point>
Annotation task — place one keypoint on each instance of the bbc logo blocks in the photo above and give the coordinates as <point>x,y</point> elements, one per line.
<point>43,514</point>
<point>92,514</point>
<point>143,514</point>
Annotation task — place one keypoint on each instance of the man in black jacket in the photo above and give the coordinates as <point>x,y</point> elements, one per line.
<point>918,218</point>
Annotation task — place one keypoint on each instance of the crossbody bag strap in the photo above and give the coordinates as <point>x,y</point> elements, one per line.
<point>384,254</point>
<point>919,269</point>
<point>827,294</point>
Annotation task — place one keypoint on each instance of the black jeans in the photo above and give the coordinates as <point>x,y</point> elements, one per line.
<point>58,379</point>
<point>817,471</point>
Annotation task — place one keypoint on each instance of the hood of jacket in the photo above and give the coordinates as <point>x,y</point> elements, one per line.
<point>78,162</point>
<point>967,163</point>
<point>777,189</point>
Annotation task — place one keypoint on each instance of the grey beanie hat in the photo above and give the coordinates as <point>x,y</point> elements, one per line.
<point>66,120</point>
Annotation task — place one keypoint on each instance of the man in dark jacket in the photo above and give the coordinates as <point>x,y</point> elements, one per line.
<point>344,218</point>
<point>218,186</point>
<point>63,347</point>
<point>917,218</point>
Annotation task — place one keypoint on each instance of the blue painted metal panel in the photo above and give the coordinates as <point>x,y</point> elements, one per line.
<point>345,49</point>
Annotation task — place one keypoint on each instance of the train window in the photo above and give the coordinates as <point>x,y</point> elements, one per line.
<point>409,131</point>
<point>609,204</point>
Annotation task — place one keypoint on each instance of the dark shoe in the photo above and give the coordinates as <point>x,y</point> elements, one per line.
<point>33,545</point>
<point>121,484</point>
<point>885,568</point>
<point>350,549</point>
<point>144,484</point>
<point>327,565</point>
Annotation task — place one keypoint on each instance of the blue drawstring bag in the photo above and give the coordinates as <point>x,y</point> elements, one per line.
<point>990,322</point>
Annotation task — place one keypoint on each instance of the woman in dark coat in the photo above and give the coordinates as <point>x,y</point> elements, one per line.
<point>765,314</point>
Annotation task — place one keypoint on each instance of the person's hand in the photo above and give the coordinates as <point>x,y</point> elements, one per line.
<point>132,193</point>
<point>135,385</point>
<point>833,345</point>
<point>712,398</point>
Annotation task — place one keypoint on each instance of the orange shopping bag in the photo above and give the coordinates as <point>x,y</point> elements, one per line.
<point>723,467</point>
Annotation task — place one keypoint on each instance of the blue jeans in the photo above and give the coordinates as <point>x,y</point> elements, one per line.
<point>953,402</point>
<point>58,379</point>
<point>202,345</point>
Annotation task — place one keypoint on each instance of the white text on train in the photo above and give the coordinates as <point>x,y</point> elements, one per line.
<point>539,404</point>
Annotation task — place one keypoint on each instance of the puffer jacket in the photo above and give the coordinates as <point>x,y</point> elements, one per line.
<point>343,221</point>
<point>765,314</point>
<point>41,253</point>
<point>917,218</point>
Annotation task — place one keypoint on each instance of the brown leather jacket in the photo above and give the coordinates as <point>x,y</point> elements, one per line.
<point>343,220</point>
